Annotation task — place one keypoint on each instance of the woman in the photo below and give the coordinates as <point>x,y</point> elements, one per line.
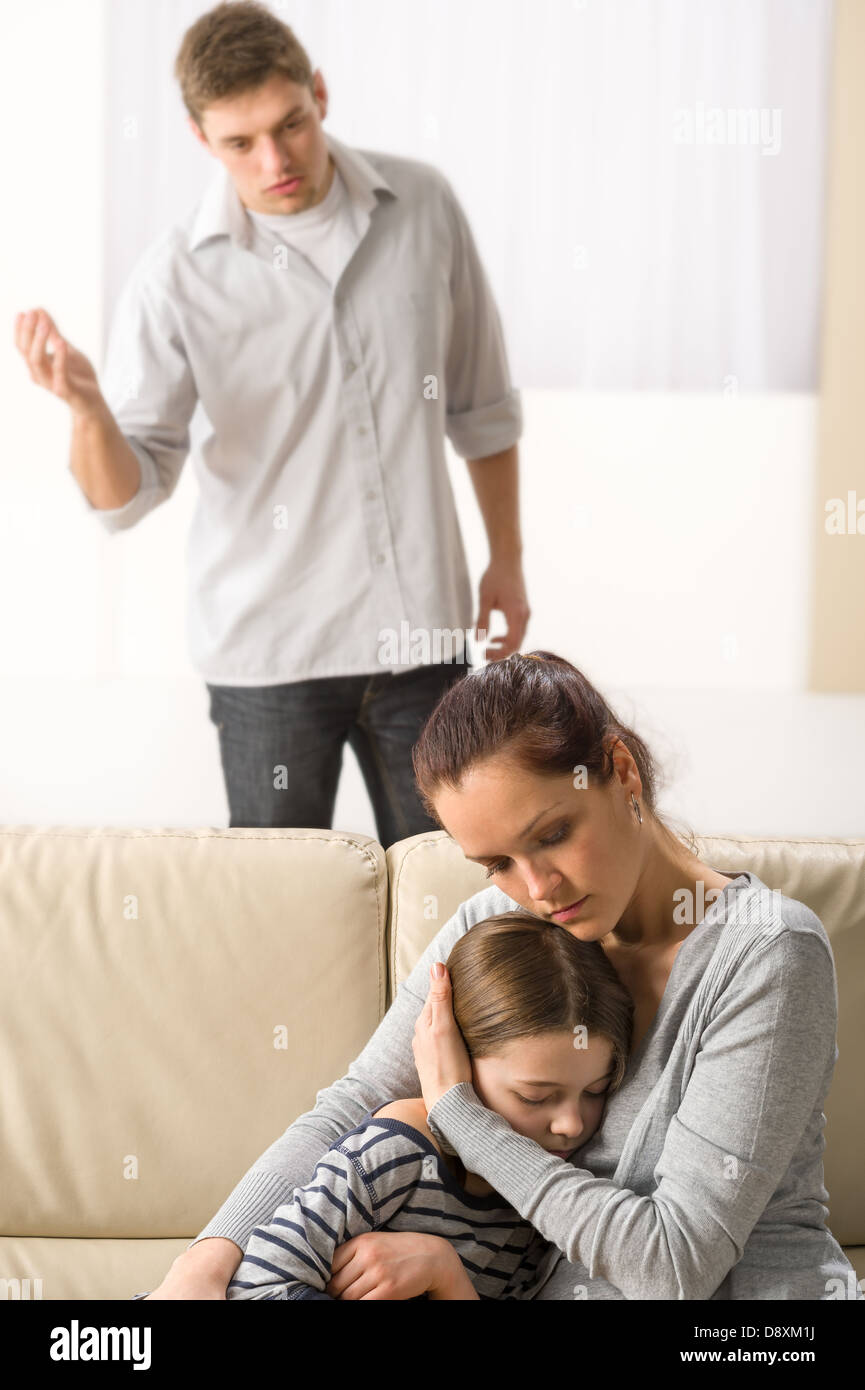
<point>705,1179</point>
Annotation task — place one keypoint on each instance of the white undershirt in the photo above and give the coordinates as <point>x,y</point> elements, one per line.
<point>326,234</point>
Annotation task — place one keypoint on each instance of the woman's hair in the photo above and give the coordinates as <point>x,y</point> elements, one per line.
<point>539,711</point>
<point>516,976</point>
<point>235,48</point>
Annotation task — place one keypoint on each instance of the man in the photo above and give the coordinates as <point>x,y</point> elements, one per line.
<point>327,309</point>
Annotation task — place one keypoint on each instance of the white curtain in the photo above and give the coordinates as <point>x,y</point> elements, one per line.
<point>645,178</point>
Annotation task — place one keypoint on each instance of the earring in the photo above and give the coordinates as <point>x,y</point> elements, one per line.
<point>637,808</point>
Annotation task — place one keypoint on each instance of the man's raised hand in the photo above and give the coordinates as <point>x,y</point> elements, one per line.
<point>55,364</point>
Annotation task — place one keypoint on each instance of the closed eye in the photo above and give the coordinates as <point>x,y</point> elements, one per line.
<point>596,1095</point>
<point>554,839</point>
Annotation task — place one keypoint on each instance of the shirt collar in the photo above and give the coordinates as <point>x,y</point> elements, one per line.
<point>221,213</point>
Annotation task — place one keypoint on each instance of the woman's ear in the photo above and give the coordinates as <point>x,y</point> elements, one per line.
<point>625,767</point>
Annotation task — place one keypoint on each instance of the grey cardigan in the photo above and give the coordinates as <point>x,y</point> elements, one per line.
<point>705,1180</point>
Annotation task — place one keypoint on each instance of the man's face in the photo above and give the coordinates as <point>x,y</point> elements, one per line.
<point>270,136</point>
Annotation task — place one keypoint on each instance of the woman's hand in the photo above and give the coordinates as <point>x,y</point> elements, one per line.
<point>440,1053</point>
<point>398,1265</point>
<point>201,1272</point>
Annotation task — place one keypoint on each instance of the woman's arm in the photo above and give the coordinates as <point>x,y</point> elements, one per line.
<point>384,1070</point>
<point>763,1062</point>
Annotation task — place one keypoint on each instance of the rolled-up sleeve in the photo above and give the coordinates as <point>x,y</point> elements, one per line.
<point>484,411</point>
<point>148,385</point>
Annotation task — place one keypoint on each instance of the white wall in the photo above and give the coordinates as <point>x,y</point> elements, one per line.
<point>667,553</point>
<point>51,253</point>
<point>637,236</point>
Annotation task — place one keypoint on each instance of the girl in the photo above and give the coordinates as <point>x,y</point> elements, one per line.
<point>706,1179</point>
<point>532,1003</point>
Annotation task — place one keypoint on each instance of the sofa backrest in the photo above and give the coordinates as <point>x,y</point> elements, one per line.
<point>170,1001</point>
<point>430,877</point>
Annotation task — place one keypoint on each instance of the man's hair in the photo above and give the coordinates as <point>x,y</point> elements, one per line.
<point>235,48</point>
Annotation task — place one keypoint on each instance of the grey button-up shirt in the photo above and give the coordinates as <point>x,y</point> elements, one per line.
<point>325,515</point>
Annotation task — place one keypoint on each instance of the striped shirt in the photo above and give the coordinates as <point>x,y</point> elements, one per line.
<point>385,1175</point>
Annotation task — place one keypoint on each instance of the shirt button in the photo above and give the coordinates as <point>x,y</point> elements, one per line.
<point>370,496</point>
<point>379,559</point>
<point>361,429</point>
<point>350,367</point>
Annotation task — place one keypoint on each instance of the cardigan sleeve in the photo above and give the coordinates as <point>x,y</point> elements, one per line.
<point>384,1070</point>
<point>765,1054</point>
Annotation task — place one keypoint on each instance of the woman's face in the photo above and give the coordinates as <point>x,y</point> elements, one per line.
<point>547,1087</point>
<point>549,844</point>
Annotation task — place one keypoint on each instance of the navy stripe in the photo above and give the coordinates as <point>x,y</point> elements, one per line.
<point>384,1137</point>
<point>467,1214</point>
<point>270,1239</point>
<point>279,1270</point>
<point>472,1239</point>
<point>326,1192</point>
<point>248,1284</point>
<point>320,1222</point>
<point>458,1216</point>
<point>466,1217</point>
<point>393,1163</point>
<point>289,1226</point>
<point>362,1211</point>
<point>351,1197</point>
<point>489,1271</point>
<point>340,1172</point>
<point>401,1191</point>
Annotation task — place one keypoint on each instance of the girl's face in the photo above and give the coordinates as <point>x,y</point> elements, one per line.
<point>547,1088</point>
<point>571,854</point>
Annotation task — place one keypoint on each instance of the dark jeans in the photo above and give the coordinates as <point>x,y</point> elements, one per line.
<point>302,726</point>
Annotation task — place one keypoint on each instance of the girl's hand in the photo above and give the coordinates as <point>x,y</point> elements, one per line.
<point>398,1265</point>
<point>440,1053</point>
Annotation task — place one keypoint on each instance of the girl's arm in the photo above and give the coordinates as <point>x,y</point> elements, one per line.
<point>359,1185</point>
<point>762,1067</point>
<point>292,1253</point>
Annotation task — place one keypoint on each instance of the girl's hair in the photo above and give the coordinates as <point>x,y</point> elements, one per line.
<point>234,48</point>
<point>542,713</point>
<point>516,976</point>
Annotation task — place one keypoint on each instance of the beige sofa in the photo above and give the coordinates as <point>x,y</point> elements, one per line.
<point>173,999</point>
